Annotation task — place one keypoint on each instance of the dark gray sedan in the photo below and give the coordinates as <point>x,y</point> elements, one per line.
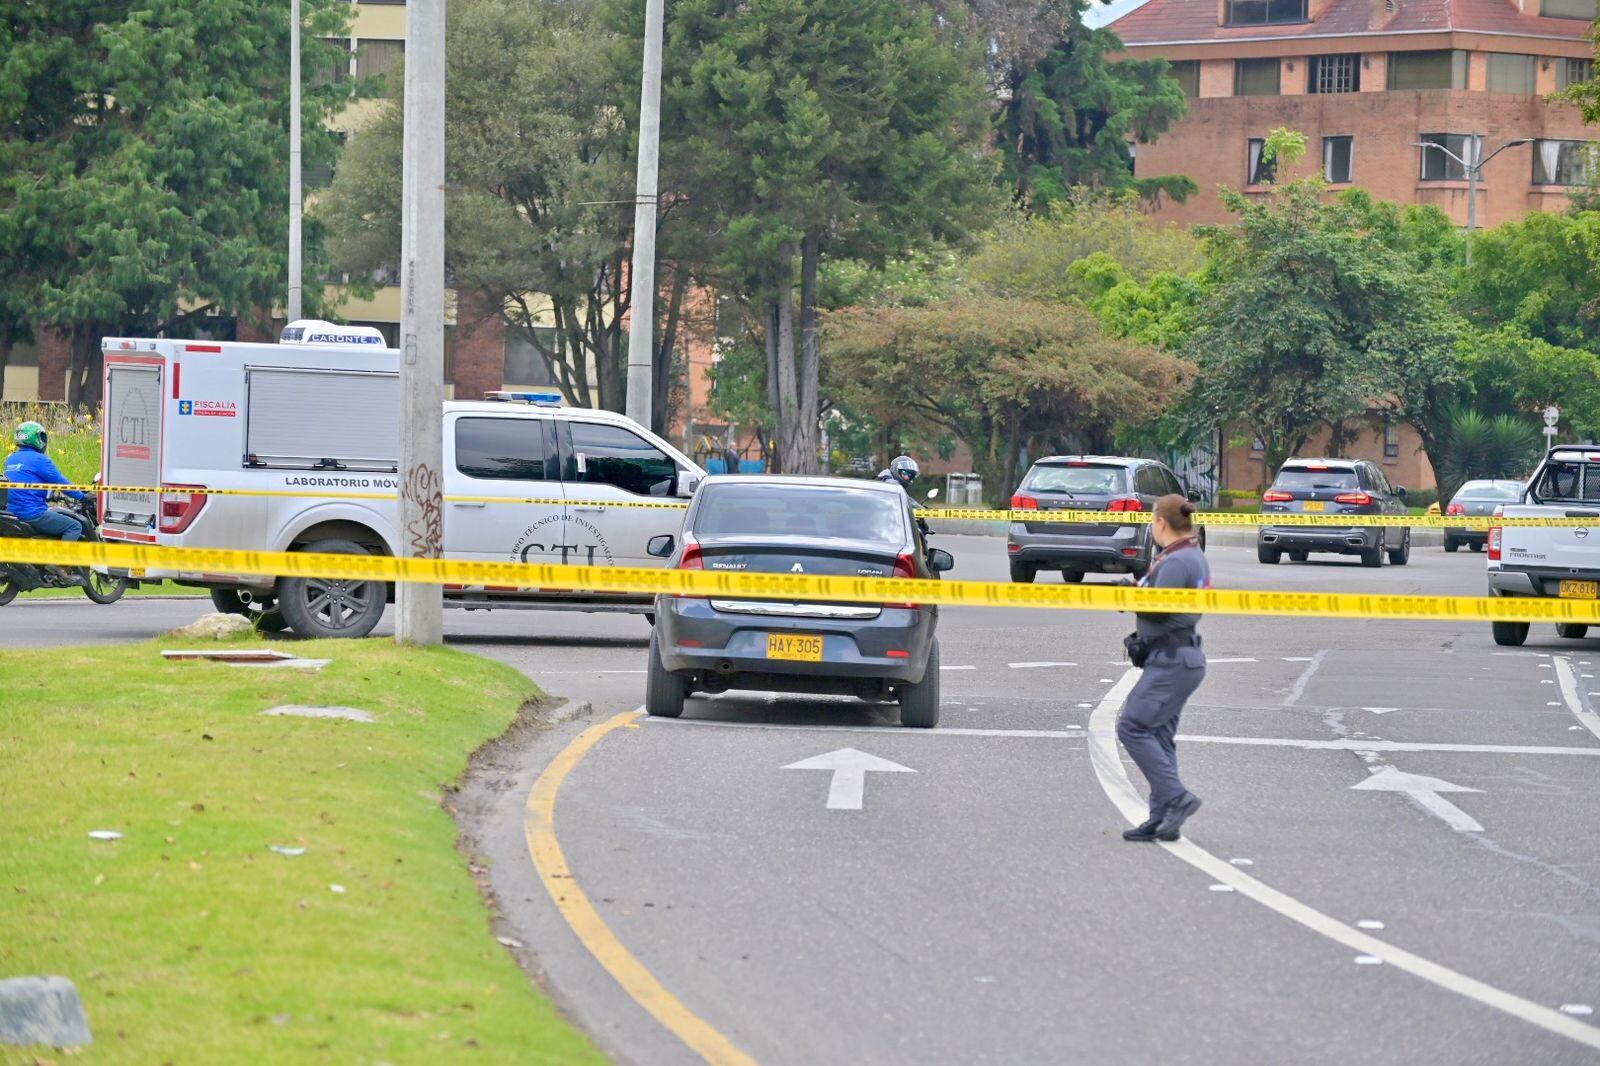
<point>834,526</point>
<point>1478,498</point>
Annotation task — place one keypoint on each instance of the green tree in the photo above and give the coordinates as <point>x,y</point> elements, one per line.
<point>807,130</point>
<point>1476,445</point>
<point>1538,273</point>
<point>1066,116</point>
<point>1001,374</point>
<point>144,163</point>
<point>1312,322</point>
<point>1513,373</point>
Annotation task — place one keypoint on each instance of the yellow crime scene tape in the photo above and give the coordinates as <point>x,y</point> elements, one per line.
<point>1120,518</point>
<point>799,587</point>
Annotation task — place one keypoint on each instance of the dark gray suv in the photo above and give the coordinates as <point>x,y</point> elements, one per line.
<point>1107,483</point>
<point>1333,487</point>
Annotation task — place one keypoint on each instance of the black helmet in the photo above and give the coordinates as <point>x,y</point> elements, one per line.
<point>904,469</point>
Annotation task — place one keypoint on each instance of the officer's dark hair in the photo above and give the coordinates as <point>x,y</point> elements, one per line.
<point>1177,512</point>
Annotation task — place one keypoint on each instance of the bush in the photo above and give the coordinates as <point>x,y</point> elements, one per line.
<point>1422,498</point>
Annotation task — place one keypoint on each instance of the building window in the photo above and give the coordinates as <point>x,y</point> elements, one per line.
<point>1334,74</point>
<point>1187,74</point>
<point>1255,77</point>
<point>337,68</point>
<point>1561,162</point>
<point>1265,12</point>
<point>1573,72</point>
<point>1391,439</point>
<point>1427,70</point>
<point>376,58</point>
<point>1336,159</point>
<point>1569,9</point>
<point>1437,166</point>
<point>1260,170</point>
<point>1510,73</point>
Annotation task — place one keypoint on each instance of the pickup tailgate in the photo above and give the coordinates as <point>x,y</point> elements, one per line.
<point>1563,548</point>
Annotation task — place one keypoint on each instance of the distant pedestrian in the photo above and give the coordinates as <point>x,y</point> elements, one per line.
<point>1168,647</point>
<point>730,459</point>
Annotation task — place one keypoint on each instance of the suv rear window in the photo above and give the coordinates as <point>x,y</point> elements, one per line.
<point>803,510</point>
<point>1300,478</point>
<point>1076,480</point>
<point>1489,490</point>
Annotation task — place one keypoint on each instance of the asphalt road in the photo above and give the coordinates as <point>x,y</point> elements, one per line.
<point>985,909</point>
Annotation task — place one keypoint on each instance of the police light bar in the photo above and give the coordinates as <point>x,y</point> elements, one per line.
<point>313,331</point>
<point>542,399</point>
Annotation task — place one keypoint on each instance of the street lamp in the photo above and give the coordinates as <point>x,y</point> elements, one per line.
<point>1473,171</point>
<point>1552,415</point>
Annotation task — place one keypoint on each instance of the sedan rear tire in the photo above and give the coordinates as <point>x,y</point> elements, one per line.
<point>919,703</point>
<point>1022,573</point>
<point>1510,634</point>
<point>664,691</point>
<point>1451,544</point>
<point>1571,630</point>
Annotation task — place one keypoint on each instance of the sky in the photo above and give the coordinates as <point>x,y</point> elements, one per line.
<point>1100,14</point>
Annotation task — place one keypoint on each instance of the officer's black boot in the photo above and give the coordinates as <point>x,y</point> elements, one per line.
<point>1177,813</point>
<point>1145,832</point>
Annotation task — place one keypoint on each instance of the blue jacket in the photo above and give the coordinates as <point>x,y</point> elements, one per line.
<point>25,466</point>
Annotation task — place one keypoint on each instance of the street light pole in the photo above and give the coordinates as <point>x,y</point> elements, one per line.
<point>420,608</point>
<point>642,276</point>
<point>294,302</point>
<point>1473,171</point>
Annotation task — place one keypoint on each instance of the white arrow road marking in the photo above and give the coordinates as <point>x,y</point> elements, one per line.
<point>1569,692</point>
<point>1424,791</point>
<point>1380,710</point>
<point>1113,779</point>
<point>1036,666</point>
<point>849,768</point>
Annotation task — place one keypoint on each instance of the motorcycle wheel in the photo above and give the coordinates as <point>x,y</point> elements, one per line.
<point>8,589</point>
<point>103,588</point>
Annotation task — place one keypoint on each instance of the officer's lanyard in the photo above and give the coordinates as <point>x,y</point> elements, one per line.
<point>1177,545</point>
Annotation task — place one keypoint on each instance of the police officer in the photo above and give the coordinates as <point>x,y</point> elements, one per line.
<point>1168,647</point>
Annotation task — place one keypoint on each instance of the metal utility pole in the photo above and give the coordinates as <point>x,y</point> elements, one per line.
<point>1474,170</point>
<point>642,277</point>
<point>420,608</point>
<point>295,195</point>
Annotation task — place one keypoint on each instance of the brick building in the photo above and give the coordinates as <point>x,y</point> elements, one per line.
<point>1365,80</point>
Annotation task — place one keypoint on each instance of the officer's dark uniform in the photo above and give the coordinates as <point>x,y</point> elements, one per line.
<point>1174,669</point>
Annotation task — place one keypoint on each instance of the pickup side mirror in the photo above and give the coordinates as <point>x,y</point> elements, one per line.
<point>688,481</point>
<point>939,560</point>
<point>661,546</point>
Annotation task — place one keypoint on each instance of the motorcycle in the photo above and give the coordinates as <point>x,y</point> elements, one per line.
<point>25,577</point>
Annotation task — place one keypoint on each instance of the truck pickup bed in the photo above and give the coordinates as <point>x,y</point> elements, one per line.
<point>1553,561</point>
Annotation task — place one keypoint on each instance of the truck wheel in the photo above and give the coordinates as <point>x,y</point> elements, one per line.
<point>1451,544</point>
<point>1267,555</point>
<point>1571,630</point>
<point>1510,634</point>
<point>328,608</point>
<point>664,691</point>
<point>1402,555</point>
<point>1022,573</point>
<point>919,703</point>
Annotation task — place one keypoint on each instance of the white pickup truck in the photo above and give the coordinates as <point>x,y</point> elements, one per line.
<point>1555,561</point>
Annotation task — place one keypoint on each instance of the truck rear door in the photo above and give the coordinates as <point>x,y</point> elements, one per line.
<point>131,445</point>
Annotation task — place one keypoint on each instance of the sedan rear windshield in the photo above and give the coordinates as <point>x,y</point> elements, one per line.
<point>1489,490</point>
<point>801,510</point>
<point>1078,480</point>
<point>1302,479</point>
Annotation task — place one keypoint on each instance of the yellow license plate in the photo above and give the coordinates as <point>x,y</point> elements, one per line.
<point>796,647</point>
<point>1580,590</point>
<point>1315,505</point>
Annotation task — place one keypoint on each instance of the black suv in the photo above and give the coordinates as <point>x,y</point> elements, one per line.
<point>1333,487</point>
<point>1088,483</point>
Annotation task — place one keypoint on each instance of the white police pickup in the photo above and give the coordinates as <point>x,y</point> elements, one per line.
<point>1556,561</point>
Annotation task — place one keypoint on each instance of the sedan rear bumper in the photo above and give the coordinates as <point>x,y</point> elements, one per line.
<point>1467,536</point>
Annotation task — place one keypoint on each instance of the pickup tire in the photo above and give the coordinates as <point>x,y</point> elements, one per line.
<point>1571,630</point>
<point>1402,555</point>
<point>1510,634</point>
<point>326,608</point>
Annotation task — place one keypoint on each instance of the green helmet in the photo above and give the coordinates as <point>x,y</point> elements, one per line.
<point>32,435</point>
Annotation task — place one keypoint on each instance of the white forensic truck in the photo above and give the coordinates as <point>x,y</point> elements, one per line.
<point>319,413</point>
<point>1556,561</point>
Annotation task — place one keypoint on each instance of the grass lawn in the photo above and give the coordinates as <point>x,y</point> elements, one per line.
<point>148,588</point>
<point>189,939</point>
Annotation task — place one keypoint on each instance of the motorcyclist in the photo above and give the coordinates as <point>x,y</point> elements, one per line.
<point>902,470</point>
<point>30,465</point>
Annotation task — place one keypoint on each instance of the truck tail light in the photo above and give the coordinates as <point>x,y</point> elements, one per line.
<point>179,509</point>
<point>1024,503</point>
<point>1455,508</point>
<point>1126,503</point>
<point>1494,544</point>
<point>1360,499</point>
<point>1276,496</point>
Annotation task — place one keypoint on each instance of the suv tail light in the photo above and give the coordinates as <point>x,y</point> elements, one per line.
<point>179,509</point>
<point>1455,508</point>
<point>1276,496</point>
<point>1020,502</point>
<point>904,566</point>
<point>1126,503</point>
<point>1494,544</point>
<point>1360,499</point>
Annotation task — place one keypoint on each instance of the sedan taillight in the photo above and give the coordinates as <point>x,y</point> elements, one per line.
<point>904,566</point>
<point>1455,508</point>
<point>1020,502</point>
